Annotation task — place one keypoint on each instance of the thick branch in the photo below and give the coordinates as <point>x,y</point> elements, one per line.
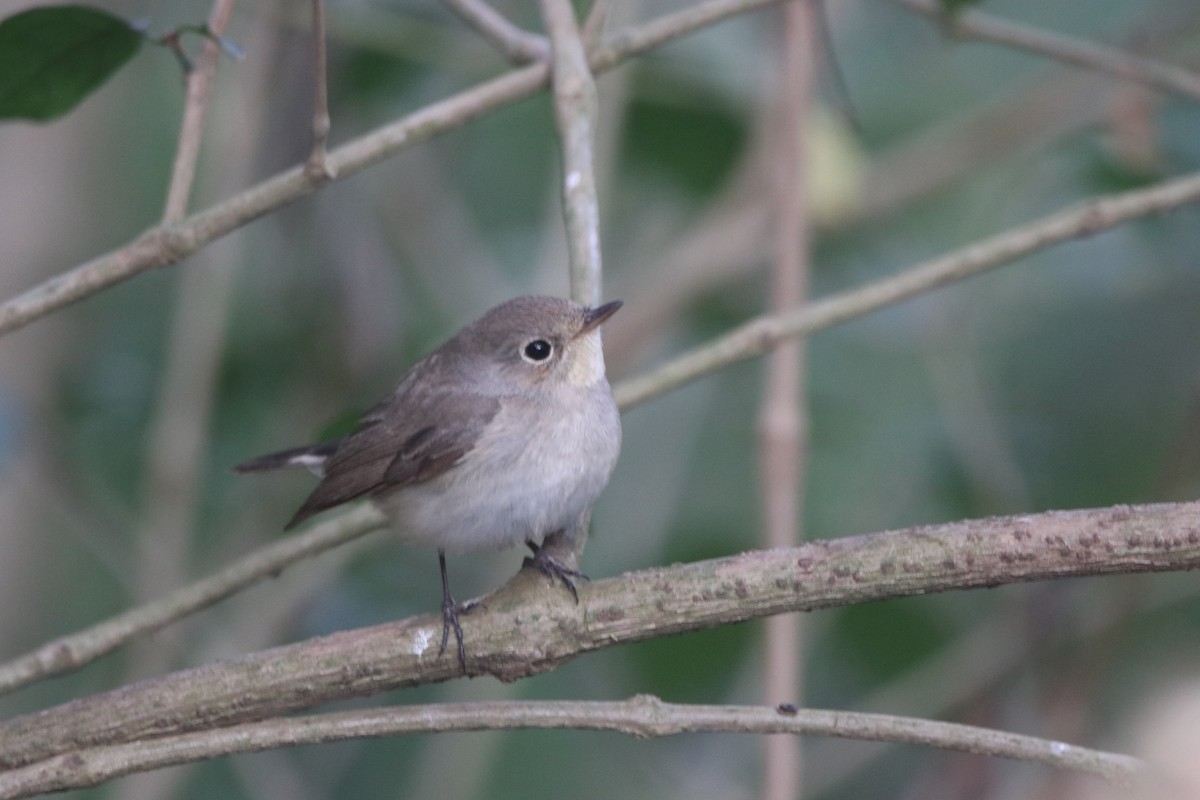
<point>642,716</point>
<point>747,341</point>
<point>169,244</point>
<point>526,628</point>
<point>760,335</point>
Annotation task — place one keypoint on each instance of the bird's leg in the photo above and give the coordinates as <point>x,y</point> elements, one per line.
<point>450,611</point>
<point>552,567</point>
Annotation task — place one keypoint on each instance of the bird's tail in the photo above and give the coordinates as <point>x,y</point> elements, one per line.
<point>312,457</point>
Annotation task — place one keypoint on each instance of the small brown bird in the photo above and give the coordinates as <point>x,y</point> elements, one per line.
<point>506,433</point>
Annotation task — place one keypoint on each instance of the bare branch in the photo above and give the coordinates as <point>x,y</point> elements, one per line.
<point>640,38</point>
<point>760,335</point>
<point>191,128</point>
<point>318,162</point>
<point>783,414</point>
<point>575,113</point>
<point>642,716</point>
<point>518,46</point>
<point>74,651</point>
<point>524,629</point>
<point>575,108</point>
<point>175,447</point>
<point>970,24</point>
<point>170,244</point>
<point>593,27</point>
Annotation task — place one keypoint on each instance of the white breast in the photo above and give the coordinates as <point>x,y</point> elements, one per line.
<point>532,473</point>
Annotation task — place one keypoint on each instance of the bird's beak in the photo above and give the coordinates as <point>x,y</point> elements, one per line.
<point>595,317</point>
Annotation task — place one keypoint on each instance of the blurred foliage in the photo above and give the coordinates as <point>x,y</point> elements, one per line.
<point>1067,379</point>
<point>951,8</point>
<point>691,144</point>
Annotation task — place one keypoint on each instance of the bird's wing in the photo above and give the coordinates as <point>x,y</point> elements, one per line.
<point>310,456</point>
<point>401,441</point>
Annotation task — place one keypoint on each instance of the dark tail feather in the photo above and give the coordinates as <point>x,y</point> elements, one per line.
<point>312,457</point>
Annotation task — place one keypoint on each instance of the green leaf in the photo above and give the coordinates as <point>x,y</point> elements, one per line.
<point>54,56</point>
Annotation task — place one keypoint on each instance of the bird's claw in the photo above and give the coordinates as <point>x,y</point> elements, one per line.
<point>556,570</point>
<point>450,610</point>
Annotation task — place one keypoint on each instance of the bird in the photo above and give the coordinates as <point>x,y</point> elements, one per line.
<point>506,433</point>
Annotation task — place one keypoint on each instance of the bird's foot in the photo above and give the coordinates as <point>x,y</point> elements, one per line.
<point>450,611</point>
<point>555,569</point>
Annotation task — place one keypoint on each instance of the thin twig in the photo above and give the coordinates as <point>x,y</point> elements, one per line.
<point>575,114</point>
<point>75,650</point>
<point>174,454</point>
<point>170,244</point>
<point>642,716</point>
<point>318,166</point>
<point>592,31</point>
<point>760,335</point>
<point>783,418</point>
<point>971,24</point>
<point>518,46</point>
<point>522,629</point>
<point>648,35</point>
<point>191,128</point>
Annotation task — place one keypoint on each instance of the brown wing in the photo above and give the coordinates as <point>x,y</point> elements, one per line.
<point>401,441</point>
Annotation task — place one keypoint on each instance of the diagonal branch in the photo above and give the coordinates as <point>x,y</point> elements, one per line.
<point>760,335</point>
<point>169,244</point>
<point>970,24</point>
<point>524,628</point>
<point>191,128</point>
<point>71,652</point>
<point>517,45</point>
<point>641,716</point>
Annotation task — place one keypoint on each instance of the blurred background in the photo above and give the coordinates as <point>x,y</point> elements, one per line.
<point>1068,379</point>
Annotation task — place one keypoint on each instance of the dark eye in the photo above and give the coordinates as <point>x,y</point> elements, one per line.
<point>538,350</point>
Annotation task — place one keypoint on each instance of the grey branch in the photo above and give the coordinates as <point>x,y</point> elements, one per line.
<point>575,115</point>
<point>191,128</point>
<point>970,24</point>
<point>760,335</point>
<point>169,244</point>
<point>642,716</point>
<point>318,165</point>
<point>73,651</point>
<point>518,46</point>
<point>525,628</point>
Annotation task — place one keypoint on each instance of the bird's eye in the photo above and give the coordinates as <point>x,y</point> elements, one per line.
<point>538,350</point>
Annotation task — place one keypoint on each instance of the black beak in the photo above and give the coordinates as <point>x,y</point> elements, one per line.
<point>595,317</point>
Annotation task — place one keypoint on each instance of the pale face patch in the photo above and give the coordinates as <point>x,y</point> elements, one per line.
<point>585,358</point>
